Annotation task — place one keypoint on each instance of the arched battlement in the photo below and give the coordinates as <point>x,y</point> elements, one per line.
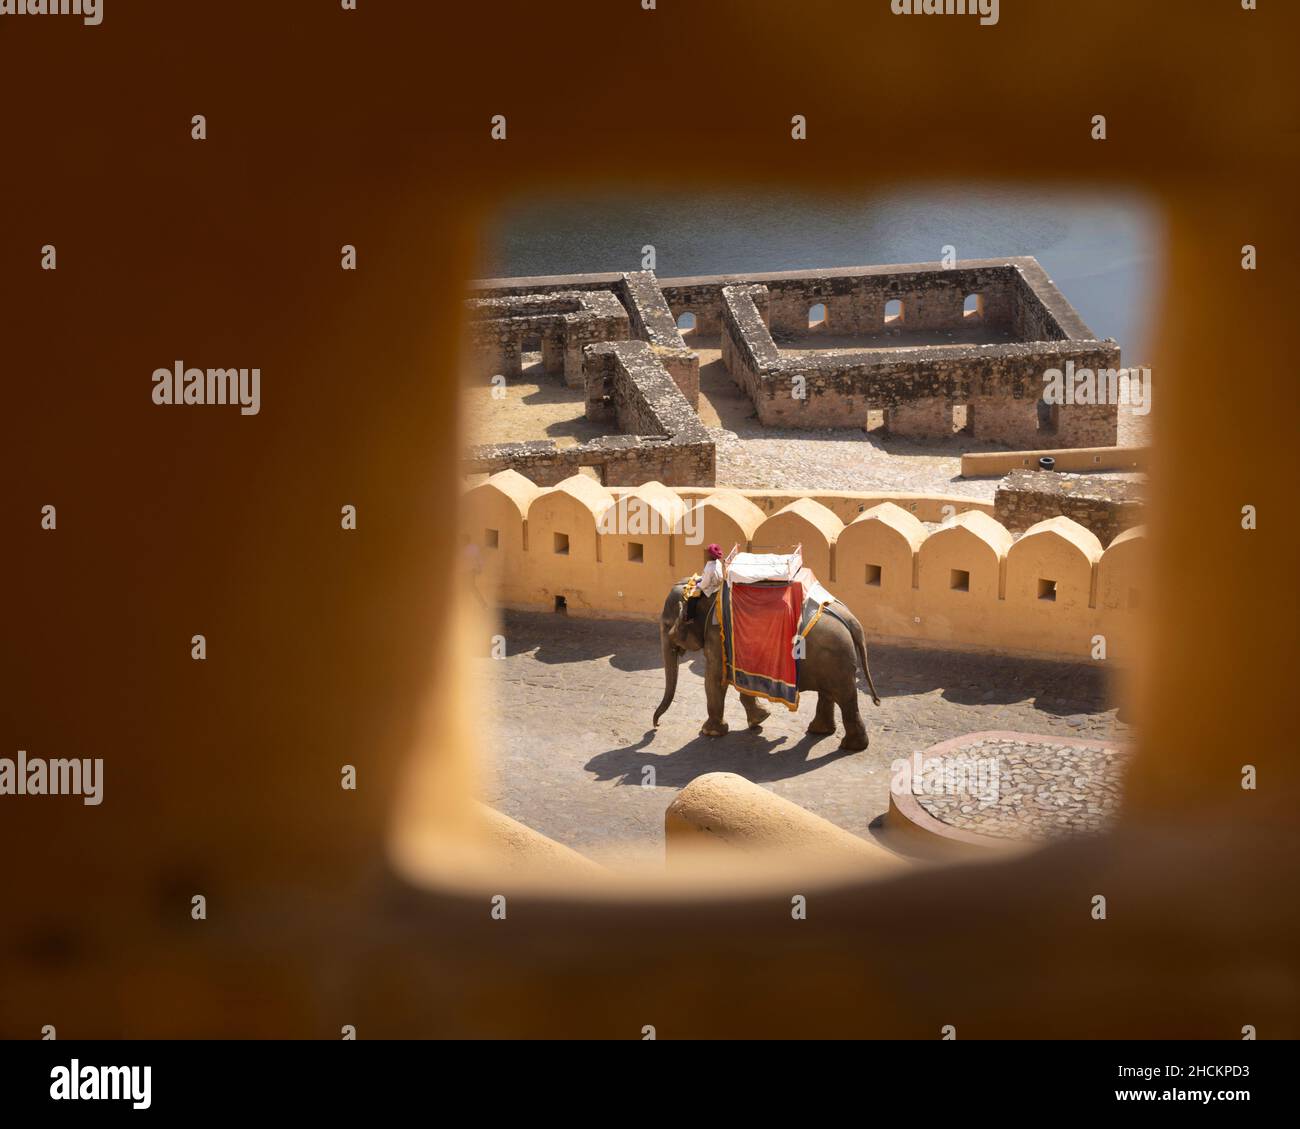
<point>724,518</point>
<point>1049,582</point>
<point>804,522</point>
<point>1123,590</point>
<point>642,538</point>
<point>493,520</point>
<point>968,583</point>
<point>875,566</point>
<point>564,548</point>
<point>959,578</point>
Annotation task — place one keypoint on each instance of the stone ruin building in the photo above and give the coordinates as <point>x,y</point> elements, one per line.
<point>928,348</point>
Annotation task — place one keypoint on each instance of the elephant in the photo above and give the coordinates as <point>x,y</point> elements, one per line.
<point>835,647</point>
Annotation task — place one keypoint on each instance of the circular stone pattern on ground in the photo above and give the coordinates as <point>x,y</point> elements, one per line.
<point>1013,786</point>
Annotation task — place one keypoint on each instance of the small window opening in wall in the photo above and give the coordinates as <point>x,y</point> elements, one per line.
<point>873,575</point>
<point>1047,589</point>
<point>636,552</point>
<point>562,544</point>
<point>894,311</point>
<point>686,323</point>
<point>960,580</point>
<point>963,419</point>
<point>1049,417</point>
<point>817,315</point>
<point>1133,599</point>
<point>875,419</point>
<point>973,307</point>
<point>491,538</point>
<point>531,344</point>
<point>560,605</point>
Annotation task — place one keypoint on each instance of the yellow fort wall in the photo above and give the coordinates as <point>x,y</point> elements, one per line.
<point>967,583</point>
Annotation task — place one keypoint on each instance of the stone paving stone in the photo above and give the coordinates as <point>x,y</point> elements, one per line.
<point>568,715</point>
<point>1037,789</point>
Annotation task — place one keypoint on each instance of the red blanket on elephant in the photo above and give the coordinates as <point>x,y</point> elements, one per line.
<point>759,624</point>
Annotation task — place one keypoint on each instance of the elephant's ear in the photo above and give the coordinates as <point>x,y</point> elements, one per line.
<point>677,623</point>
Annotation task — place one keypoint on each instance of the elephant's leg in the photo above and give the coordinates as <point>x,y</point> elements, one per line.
<point>855,730</point>
<point>715,694</point>
<point>755,712</point>
<point>824,721</point>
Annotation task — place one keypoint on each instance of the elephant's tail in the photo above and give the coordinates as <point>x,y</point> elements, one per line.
<point>860,645</point>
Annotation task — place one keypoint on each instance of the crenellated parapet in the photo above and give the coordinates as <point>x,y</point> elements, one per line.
<point>964,581</point>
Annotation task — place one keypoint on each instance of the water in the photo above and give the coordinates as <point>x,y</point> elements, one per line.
<point>1101,250</point>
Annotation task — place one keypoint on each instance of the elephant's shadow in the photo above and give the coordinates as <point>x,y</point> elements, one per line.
<point>746,752</point>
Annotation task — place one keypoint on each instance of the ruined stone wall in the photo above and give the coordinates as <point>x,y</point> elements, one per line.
<point>931,300</point>
<point>1044,313</point>
<point>1018,296</point>
<point>541,284</point>
<point>1105,506</point>
<point>701,297</point>
<point>917,388</point>
<point>627,387</point>
<point>747,348</point>
<point>617,460</point>
<point>652,321</point>
<point>540,460</point>
<point>1000,385</point>
<point>563,322</point>
<point>1032,320</point>
<point>933,297</point>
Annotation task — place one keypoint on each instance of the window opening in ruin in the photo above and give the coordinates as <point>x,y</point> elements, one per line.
<point>1047,589</point>
<point>973,307</point>
<point>960,580</point>
<point>491,538</point>
<point>686,323</point>
<point>562,544</point>
<point>873,575</point>
<point>636,552</point>
<point>894,311</point>
<point>963,419</point>
<point>817,315</point>
<point>1049,417</point>
<point>560,605</point>
<point>876,419</point>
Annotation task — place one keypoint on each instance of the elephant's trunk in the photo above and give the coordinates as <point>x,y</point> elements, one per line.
<point>672,656</point>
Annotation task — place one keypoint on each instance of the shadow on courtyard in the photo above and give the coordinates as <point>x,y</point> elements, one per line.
<point>746,752</point>
<point>553,639</point>
<point>900,671</point>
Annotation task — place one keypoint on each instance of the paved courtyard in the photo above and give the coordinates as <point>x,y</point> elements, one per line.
<point>570,708</point>
<point>1009,787</point>
<point>750,456</point>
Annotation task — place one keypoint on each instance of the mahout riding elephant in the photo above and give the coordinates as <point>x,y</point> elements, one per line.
<point>834,648</point>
